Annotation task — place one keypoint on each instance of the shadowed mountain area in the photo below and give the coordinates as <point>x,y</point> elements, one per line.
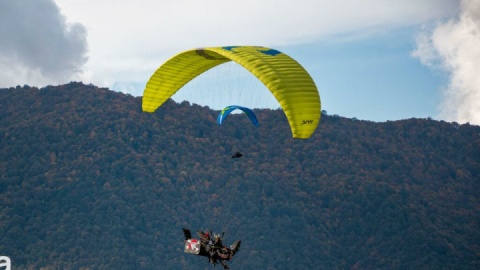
<point>89,181</point>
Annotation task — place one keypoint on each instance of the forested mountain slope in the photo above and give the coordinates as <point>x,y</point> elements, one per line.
<point>89,181</point>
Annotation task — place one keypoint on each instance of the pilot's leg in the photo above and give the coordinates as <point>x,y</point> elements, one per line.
<point>225,266</point>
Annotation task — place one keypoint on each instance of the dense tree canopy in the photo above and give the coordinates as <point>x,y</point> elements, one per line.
<point>88,181</point>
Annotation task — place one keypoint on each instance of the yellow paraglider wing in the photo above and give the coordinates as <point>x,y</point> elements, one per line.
<point>286,79</point>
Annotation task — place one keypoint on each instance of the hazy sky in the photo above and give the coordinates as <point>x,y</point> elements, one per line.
<point>371,59</point>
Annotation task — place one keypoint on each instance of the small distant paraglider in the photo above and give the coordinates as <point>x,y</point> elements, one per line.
<point>227,110</point>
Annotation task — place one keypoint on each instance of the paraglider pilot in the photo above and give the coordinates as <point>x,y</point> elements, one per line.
<point>237,155</point>
<point>211,247</point>
<point>219,252</point>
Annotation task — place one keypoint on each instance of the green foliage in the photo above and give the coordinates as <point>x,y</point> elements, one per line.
<point>89,181</point>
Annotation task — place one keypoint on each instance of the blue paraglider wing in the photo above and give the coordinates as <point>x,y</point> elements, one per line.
<point>227,110</point>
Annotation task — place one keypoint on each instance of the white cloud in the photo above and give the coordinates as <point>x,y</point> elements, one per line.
<point>37,46</point>
<point>455,46</point>
<point>128,40</point>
